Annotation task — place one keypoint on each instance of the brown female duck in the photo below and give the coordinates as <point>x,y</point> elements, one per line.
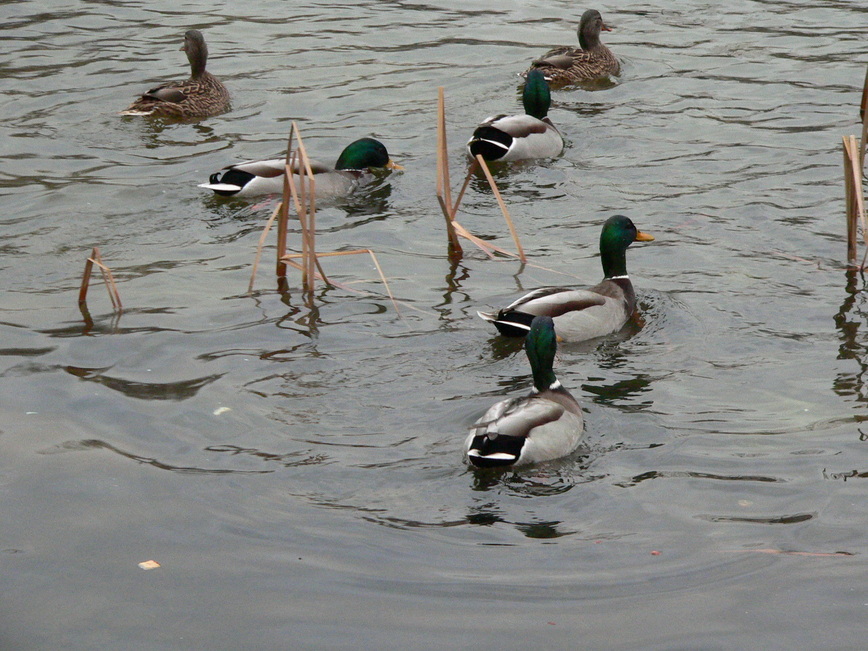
<point>200,96</point>
<point>593,60</point>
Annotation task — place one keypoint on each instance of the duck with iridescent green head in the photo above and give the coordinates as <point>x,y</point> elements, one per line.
<point>259,177</point>
<point>581,314</point>
<point>520,137</point>
<point>544,425</point>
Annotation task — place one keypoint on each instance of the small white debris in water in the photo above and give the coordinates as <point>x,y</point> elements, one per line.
<point>745,503</point>
<point>149,565</point>
<point>30,413</point>
<point>221,410</point>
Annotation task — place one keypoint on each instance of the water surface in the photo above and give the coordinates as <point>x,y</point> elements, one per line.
<point>294,466</point>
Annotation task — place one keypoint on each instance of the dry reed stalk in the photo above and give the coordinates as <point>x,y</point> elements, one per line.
<point>444,184</point>
<point>289,256</point>
<point>303,196</point>
<point>862,143</point>
<point>258,256</point>
<point>503,209</point>
<point>308,232</point>
<point>306,216</point>
<point>854,199</point>
<point>848,210</point>
<point>85,279</point>
<point>282,230</point>
<point>107,277</point>
<point>470,172</point>
<point>863,116</point>
<point>444,195</point>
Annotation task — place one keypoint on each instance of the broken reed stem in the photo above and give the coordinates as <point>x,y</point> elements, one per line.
<point>309,257</point>
<point>85,280</point>
<point>862,144</point>
<point>444,194</point>
<point>474,165</point>
<point>258,256</point>
<point>444,185</point>
<point>503,209</point>
<point>863,116</point>
<point>107,277</point>
<point>304,196</point>
<point>283,221</point>
<point>444,189</point>
<point>848,202</point>
<point>309,233</point>
<point>858,191</point>
<point>854,198</point>
<point>288,258</point>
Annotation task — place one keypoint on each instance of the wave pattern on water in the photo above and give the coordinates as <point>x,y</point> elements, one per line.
<point>312,444</point>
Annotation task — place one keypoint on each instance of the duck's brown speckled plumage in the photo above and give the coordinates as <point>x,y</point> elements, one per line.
<point>593,60</point>
<point>200,96</point>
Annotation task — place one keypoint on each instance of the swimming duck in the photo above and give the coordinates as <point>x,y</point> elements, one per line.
<point>201,96</point>
<point>266,176</point>
<point>593,60</point>
<point>582,314</point>
<point>545,425</point>
<point>517,137</point>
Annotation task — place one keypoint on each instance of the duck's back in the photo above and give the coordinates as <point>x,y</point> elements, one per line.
<point>204,96</point>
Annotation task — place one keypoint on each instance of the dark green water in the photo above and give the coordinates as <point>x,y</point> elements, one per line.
<point>295,466</point>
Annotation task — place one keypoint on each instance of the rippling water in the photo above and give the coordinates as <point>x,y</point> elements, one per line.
<point>295,467</point>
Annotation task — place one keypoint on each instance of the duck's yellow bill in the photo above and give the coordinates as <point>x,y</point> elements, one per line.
<point>644,237</point>
<point>392,165</point>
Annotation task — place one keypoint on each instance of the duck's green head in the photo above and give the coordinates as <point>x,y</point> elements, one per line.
<point>618,233</point>
<point>537,97</point>
<point>364,154</point>
<point>541,344</point>
<point>590,27</point>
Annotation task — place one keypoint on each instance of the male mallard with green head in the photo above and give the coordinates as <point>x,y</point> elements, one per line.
<point>545,425</point>
<point>581,314</point>
<point>266,176</point>
<point>518,137</point>
<point>200,96</point>
<point>592,60</point>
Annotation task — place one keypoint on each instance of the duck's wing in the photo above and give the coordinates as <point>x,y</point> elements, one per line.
<point>519,126</point>
<point>517,416</point>
<point>173,93</point>
<point>554,301</point>
<point>562,58</point>
<point>514,320</point>
<point>497,439</point>
<point>263,168</point>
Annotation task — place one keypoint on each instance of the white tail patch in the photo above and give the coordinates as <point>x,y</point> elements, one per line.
<point>499,456</point>
<point>220,187</point>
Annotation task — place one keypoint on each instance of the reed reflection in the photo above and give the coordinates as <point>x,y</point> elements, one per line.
<point>850,318</point>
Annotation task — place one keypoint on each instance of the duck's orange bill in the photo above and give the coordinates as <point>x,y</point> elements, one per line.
<point>644,237</point>
<point>393,165</point>
<point>605,28</point>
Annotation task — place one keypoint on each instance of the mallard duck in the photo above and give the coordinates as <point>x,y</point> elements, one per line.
<point>593,60</point>
<point>517,137</point>
<point>582,314</point>
<point>201,96</point>
<point>547,424</point>
<point>266,176</point>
